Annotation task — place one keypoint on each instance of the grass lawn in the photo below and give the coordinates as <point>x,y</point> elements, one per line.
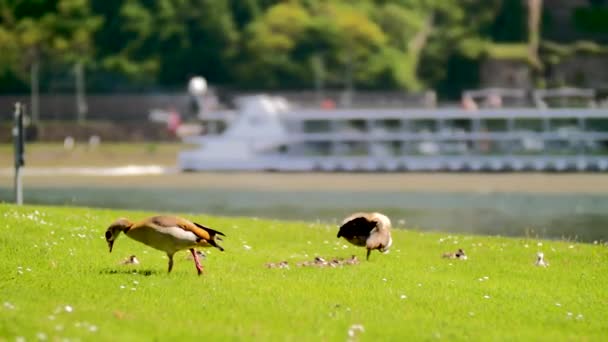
<point>106,154</point>
<point>59,281</point>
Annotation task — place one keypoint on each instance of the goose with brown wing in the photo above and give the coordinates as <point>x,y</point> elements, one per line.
<point>369,230</point>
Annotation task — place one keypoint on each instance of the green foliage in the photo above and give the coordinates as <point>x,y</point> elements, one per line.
<point>56,32</point>
<point>405,44</point>
<point>59,281</point>
<point>591,19</point>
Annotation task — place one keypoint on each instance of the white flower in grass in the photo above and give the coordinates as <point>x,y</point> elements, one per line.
<point>41,336</point>
<point>68,308</point>
<point>403,296</point>
<point>579,316</point>
<point>558,304</point>
<point>93,328</point>
<point>471,313</point>
<point>9,306</point>
<point>569,314</point>
<point>486,297</point>
<point>247,247</point>
<point>526,246</point>
<point>571,246</point>
<point>19,339</point>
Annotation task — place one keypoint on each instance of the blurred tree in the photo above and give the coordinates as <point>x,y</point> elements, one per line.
<point>144,44</point>
<point>168,41</point>
<point>57,32</point>
<point>269,41</point>
<point>407,29</point>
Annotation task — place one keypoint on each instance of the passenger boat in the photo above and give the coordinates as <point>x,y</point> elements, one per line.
<point>265,133</point>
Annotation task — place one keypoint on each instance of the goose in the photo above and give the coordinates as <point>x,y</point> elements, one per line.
<point>168,234</point>
<point>369,230</point>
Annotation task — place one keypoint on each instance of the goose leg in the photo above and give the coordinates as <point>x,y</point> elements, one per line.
<point>368,253</point>
<point>197,263</point>
<point>170,262</point>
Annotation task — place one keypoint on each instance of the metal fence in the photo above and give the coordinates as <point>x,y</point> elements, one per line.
<point>137,107</point>
<point>115,107</point>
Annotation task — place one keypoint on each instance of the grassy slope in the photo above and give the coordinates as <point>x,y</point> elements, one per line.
<point>106,155</point>
<point>239,298</point>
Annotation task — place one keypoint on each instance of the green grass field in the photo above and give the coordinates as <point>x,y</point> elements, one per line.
<point>105,155</point>
<point>58,282</point>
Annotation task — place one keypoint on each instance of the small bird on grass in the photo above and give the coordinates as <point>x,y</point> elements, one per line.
<point>540,260</point>
<point>168,234</point>
<point>132,260</point>
<point>201,255</point>
<point>369,230</point>
<point>459,254</point>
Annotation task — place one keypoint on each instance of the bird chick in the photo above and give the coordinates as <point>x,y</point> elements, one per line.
<point>459,254</point>
<point>132,260</point>
<point>200,255</point>
<point>168,234</point>
<point>352,261</point>
<point>540,260</point>
<point>369,230</point>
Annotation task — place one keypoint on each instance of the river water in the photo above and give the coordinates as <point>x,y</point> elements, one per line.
<point>582,217</point>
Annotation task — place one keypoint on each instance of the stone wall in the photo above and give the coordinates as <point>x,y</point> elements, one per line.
<point>590,71</point>
<point>505,73</point>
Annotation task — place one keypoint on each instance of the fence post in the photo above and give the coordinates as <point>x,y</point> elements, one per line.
<point>19,140</point>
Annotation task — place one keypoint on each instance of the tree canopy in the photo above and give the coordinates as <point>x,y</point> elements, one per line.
<point>150,44</point>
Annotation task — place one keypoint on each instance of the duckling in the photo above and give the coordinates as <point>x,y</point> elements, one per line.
<point>282,264</point>
<point>201,255</point>
<point>369,230</point>
<point>459,254</point>
<point>168,234</point>
<point>352,261</point>
<point>132,260</point>
<point>540,260</point>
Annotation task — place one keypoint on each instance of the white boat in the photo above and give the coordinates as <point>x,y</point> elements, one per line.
<point>266,134</point>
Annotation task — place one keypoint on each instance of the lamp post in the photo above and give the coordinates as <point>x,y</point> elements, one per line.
<point>19,140</point>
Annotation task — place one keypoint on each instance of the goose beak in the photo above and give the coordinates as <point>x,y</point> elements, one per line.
<point>110,244</point>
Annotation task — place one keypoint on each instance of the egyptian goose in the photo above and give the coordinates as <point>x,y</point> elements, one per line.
<point>168,234</point>
<point>369,230</point>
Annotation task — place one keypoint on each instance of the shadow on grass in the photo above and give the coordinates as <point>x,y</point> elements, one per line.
<point>146,273</point>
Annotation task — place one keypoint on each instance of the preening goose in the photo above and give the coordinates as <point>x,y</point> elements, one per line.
<point>369,230</point>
